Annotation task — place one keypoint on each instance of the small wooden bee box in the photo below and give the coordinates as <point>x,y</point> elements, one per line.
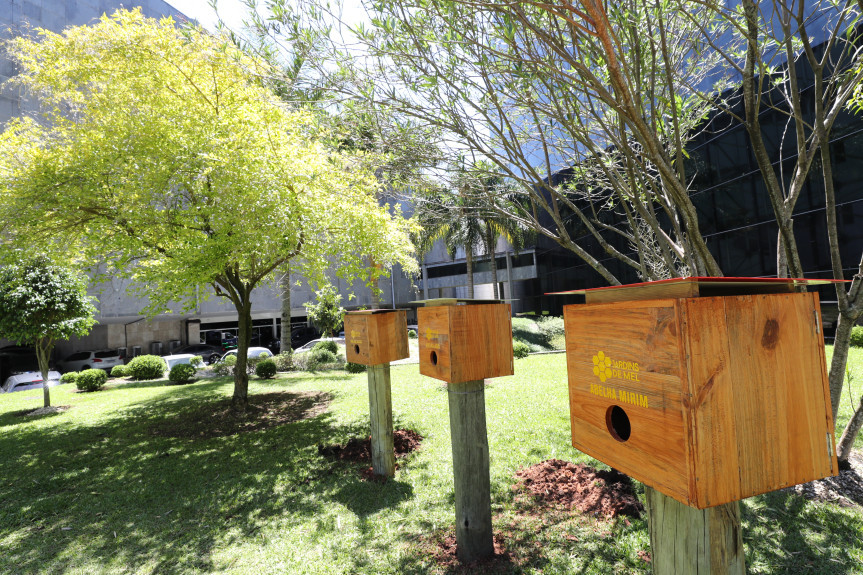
<point>465,340</point>
<point>709,390</point>
<point>375,337</point>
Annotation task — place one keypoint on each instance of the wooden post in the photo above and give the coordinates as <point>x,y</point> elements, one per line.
<point>694,541</point>
<point>470,470</point>
<point>381,416</point>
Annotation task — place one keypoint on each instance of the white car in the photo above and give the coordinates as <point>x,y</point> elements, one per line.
<point>29,380</point>
<point>172,360</point>
<point>311,344</point>
<point>81,360</point>
<point>253,352</point>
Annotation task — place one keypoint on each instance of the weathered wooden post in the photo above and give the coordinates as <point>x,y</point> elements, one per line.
<point>374,338</point>
<point>708,391</point>
<point>464,342</point>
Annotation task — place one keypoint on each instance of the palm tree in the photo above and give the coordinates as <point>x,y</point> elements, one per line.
<point>473,217</point>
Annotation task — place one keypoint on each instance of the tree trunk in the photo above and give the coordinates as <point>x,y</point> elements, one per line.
<point>694,541</point>
<point>841,342</point>
<point>469,261</point>
<point>491,245</point>
<point>286,309</point>
<point>846,443</point>
<point>244,337</point>
<point>43,351</point>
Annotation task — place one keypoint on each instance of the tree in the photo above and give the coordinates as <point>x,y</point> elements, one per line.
<point>160,147</point>
<point>40,304</point>
<point>328,312</point>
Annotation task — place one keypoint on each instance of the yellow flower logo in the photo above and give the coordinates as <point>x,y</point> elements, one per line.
<point>602,366</point>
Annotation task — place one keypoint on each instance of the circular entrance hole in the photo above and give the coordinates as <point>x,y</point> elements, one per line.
<point>618,423</point>
<point>356,349</point>
<point>434,358</point>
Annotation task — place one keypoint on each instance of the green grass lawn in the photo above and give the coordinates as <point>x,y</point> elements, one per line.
<point>102,488</point>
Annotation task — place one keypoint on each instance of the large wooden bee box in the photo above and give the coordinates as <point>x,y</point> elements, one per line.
<point>374,337</point>
<point>465,341</point>
<point>700,388</point>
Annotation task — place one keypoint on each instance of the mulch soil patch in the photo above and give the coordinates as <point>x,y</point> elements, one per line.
<point>265,410</point>
<point>592,491</point>
<point>50,410</point>
<point>844,489</point>
<point>359,450</point>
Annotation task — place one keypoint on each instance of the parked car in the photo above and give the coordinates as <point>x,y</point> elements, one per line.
<point>309,345</point>
<point>29,380</point>
<point>172,360</point>
<point>81,360</point>
<point>17,359</point>
<point>253,352</point>
<point>209,353</point>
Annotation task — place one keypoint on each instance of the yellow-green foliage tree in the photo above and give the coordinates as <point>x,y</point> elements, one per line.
<point>162,151</point>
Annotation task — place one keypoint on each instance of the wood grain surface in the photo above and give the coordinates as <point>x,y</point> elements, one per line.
<point>378,338</point>
<point>459,343</point>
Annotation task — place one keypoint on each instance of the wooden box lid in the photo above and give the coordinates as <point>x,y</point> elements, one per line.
<point>706,399</point>
<point>374,337</point>
<point>465,340</point>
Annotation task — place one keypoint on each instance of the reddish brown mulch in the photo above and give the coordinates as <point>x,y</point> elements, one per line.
<point>607,494</point>
<point>500,562</point>
<point>356,449</point>
<point>265,410</point>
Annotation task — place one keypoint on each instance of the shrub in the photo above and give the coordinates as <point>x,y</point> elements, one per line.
<point>520,349</point>
<point>284,361</point>
<point>857,336</point>
<point>306,361</point>
<point>226,366</point>
<point>120,371</point>
<point>91,379</point>
<point>147,367</point>
<point>196,361</point>
<point>182,373</point>
<point>266,369</point>
<point>323,356</point>
<point>412,333</point>
<point>328,345</point>
<point>551,328</point>
<point>69,377</point>
<point>354,367</point>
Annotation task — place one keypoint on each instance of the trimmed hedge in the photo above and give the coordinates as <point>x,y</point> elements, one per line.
<point>266,369</point>
<point>91,379</point>
<point>182,373</point>
<point>69,377</point>
<point>320,355</point>
<point>146,367</point>
<point>857,336</point>
<point>328,345</point>
<point>412,334</point>
<point>520,349</point>
<point>120,371</point>
<point>354,367</point>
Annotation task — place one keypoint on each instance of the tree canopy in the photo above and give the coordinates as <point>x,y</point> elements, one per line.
<point>161,151</point>
<point>42,303</point>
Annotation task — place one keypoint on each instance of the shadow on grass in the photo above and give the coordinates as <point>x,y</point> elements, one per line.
<point>114,490</point>
<point>794,536</point>
<point>16,417</point>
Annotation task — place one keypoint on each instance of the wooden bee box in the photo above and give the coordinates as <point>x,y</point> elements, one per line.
<point>461,341</point>
<point>374,337</point>
<point>700,388</point>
